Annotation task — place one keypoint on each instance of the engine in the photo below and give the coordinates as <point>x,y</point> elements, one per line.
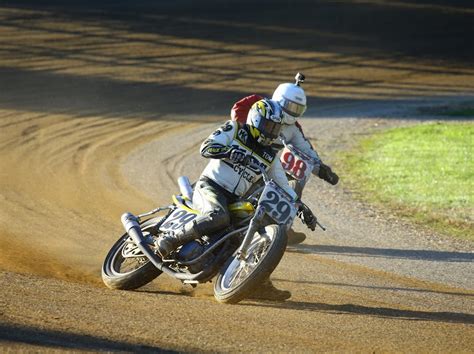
<point>190,251</point>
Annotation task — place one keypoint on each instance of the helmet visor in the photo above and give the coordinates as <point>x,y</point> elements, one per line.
<point>292,108</point>
<point>269,129</point>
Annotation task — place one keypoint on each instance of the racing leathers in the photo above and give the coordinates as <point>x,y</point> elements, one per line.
<point>291,134</point>
<point>224,179</point>
<point>234,177</point>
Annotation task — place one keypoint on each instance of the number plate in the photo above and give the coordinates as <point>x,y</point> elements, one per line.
<point>278,204</point>
<point>296,165</point>
<point>177,219</point>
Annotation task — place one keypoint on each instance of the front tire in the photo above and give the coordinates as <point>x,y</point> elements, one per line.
<point>238,279</point>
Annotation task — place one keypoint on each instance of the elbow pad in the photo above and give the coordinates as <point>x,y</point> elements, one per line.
<point>214,151</point>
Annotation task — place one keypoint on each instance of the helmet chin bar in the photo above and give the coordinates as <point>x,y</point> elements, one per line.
<point>262,140</point>
<point>288,118</point>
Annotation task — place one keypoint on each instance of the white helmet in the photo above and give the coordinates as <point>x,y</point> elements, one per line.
<point>292,99</point>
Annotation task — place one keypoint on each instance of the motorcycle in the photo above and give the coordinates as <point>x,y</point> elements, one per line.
<point>241,256</point>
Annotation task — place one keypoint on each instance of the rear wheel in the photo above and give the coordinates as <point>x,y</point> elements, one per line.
<point>125,267</point>
<point>239,278</point>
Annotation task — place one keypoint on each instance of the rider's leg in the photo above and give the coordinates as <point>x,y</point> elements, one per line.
<point>212,202</point>
<point>295,237</point>
<point>298,186</point>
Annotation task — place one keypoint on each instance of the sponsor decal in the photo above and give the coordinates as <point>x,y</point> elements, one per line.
<point>242,134</point>
<point>242,171</point>
<point>227,126</point>
<point>268,156</point>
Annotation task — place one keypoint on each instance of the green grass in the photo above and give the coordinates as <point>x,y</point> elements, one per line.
<point>424,172</point>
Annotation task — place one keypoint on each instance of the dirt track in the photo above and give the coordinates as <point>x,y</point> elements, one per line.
<point>101,110</point>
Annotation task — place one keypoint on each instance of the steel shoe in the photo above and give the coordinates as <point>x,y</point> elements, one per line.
<point>267,291</point>
<point>295,237</point>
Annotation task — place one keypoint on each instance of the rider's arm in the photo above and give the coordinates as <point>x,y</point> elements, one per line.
<point>217,145</point>
<point>293,134</point>
<point>277,173</point>
<point>297,138</point>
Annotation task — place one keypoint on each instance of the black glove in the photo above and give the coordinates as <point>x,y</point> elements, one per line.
<point>236,155</point>
<point>326,173</point>
<point>307,216</point>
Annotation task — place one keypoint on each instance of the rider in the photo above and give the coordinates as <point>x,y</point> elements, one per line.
<point>292,100</point>
<point>225,178</point>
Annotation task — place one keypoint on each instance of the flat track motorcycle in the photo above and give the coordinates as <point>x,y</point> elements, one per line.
<point>241,256</point>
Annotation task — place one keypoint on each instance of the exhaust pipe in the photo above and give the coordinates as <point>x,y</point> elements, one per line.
<point>132,227</point>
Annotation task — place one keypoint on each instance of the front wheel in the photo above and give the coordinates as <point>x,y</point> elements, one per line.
<point>239,278</point>
<point>125,267</point>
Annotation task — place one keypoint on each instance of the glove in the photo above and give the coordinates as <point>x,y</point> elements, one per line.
<point>236,155</point>
<point>307,216</point>
<point>326,173</point>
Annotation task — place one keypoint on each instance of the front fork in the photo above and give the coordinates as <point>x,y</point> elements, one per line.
<point>254,225</point>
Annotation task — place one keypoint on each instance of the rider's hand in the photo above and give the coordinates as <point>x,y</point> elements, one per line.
<point>326,173</point>
<point>236,155</point>
<point>308,217</point>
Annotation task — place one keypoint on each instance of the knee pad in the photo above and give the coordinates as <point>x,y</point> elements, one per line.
<point>211,221</point>
<point>219,217</point>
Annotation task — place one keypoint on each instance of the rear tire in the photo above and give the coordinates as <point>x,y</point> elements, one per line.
<point>127,273</point>
<point>236,280</point>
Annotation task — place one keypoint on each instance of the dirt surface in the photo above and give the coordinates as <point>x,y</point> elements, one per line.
<point>103,107</point>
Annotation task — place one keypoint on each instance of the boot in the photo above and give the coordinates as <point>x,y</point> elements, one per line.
<point>168,242</point>
<point>267,291</point>
<point>294,237</point>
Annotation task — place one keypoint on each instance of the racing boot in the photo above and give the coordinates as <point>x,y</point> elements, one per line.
<point>267,291</point>
<point>168,242</point>
<point>295,237</point>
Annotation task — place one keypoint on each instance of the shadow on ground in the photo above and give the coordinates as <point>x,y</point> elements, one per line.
<point>68,341</point>
<point>436,29</point>
<point>179,46</point>
<point>89,96</point>
<point>383,312</point>
<point>425,255</point>
<point>380,288</point>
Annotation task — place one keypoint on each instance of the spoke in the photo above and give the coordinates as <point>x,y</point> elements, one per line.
<point>128,259</point>
<point>239,271</point>
<point>235,274</point>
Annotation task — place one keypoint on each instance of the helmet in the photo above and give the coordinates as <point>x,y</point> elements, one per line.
<point>292,99</point>
<point>264,120</point>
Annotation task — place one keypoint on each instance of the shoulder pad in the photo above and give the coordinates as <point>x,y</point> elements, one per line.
<point>228,126</point>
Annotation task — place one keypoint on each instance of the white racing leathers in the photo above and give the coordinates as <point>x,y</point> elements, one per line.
<point>293,134</point>
<point>234,177</point>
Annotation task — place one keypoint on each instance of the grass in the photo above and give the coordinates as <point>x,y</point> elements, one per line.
<point>424,172</point>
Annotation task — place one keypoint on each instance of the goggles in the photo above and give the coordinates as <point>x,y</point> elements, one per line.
<point>292,108</point>
<point>269,129</point>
